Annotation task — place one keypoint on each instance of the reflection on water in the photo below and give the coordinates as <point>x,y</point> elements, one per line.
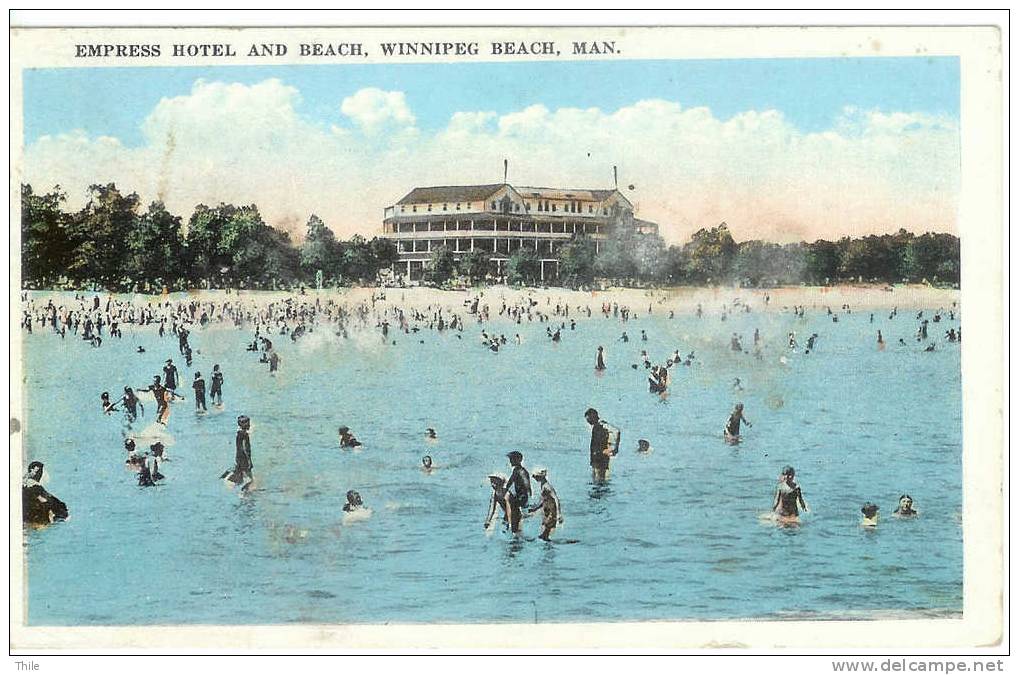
<point>674,534</point>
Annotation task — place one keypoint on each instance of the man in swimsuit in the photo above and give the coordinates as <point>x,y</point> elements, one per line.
<point>216,394</point>
<point>199,387</point>
<point>600,450</point>
<point>499,499</point>
<point>788,496</point>
<point>552,512</point>
<point>519,487</point>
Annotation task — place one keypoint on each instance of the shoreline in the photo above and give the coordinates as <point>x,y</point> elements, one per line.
<point>681,299</point>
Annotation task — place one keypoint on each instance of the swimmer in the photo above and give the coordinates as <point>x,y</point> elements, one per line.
<point>430,434</point>
<point>552,512</point>
<point>347,439</point>
<point>643,446</point>
<point>354,502</point>
<point>140,350</point>
<point>500,499</point>
<point>905,508</point>
<point>108,407</point>
<point>869,512</point>
<point>134,460</point>
<point>426,464</point>
<point>518,487</point>
<point>787,496</point>
<point>732,425</point>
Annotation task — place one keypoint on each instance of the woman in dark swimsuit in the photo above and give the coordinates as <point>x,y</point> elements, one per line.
<point>788,497</point>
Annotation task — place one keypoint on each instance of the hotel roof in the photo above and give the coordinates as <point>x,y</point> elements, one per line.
<point>472,193</point>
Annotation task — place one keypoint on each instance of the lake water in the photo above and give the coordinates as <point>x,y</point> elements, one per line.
<point>673,535</point>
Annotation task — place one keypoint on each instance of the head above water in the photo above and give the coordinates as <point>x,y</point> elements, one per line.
<point>906,503</point>
<point>344,430</point>
<point>426,461</point>
<point>129,444</point>
<point>643,445</point>
<point>353,497</point>
<point>869,510</point>
<point>157,448</point>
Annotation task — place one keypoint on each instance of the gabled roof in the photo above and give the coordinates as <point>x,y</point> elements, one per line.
<point>450,193</point>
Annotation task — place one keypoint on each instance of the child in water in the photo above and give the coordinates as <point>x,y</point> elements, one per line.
<point>347,439</point>
<point>552,512</point>
<point>499,499</point>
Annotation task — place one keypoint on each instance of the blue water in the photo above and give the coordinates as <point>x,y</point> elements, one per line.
<point>673,535</point>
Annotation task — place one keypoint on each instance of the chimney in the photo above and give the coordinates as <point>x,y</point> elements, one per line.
<point>615,177</point>
<point>505,171</point>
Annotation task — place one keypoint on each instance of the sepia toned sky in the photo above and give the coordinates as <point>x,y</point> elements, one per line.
<point>781,149</point>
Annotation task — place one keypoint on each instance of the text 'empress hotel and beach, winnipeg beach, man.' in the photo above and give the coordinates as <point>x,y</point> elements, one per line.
<point>501,219</point>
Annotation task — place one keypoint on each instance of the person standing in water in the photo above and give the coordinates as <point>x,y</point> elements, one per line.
<point>38,506</point>
<point>500,499</point>
<point>131,404</point>
<point>170,375</point>
<point>788,496</point>
<point>242,471</point>
<point>600,359</point>
<point>199,387</point>
<point>552,512</point>
<point>602,449</point>
<point>732,426</point>
<point>216,393</point>
<point>518,488</point>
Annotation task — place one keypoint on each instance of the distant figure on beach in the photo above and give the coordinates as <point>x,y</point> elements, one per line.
<point>905,508</point>
<point>354,502</point>
<point>603,445</point>
<point>347,439</point>
<point>600,359</point>
<point>519,489</point>
<point>552,512</point>
<point>500,499</point>
<point>199,387</point>
<point>732,425</point>
<point>869,512</point>
<point>241,474</point>
<point>788,496</point>
<point>216,393</point>
<point>38,506</point>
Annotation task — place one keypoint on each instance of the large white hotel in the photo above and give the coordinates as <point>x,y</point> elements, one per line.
<point>499,219</point>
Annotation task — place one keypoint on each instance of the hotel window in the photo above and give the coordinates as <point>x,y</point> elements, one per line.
<point>553,208</point>
<point>604,211</point>
<point>402,209</point>
<point>590,209</point>
<point>458,207</point>
<point>414,208</point>
<point>444,207</point>
<point>493,206</point>
<point>429,207</point>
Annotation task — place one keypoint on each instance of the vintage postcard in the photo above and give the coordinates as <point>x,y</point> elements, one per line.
<point>506,337</point>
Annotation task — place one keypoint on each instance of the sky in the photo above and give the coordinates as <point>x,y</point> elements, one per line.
<point>782,149</point>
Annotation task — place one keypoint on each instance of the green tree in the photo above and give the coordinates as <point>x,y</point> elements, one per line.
<point>709,255</point>
<point>474,265</point>
<point>45,244</point>
<point>384,253</point>
<point>101,231</point>
<point>155,248</point>
<point>649,256</point>
<point>441,267</point>
<point>523,267</point>
<point>576,261</point>
<point>822,262</point>
<point>320,250</point>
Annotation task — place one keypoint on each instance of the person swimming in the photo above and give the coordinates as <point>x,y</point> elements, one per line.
<point>134,460</point>
<point>108,407</point>
<point>430,434</point>
<point>643,446</point>
<point>347,439</point>
<point>552,512</point>
<point>788,496</point>
<point>500,499</point>
<point>905,508</point>
<point>426,464</point>
<point>354,502</point>
<point>869,512</point>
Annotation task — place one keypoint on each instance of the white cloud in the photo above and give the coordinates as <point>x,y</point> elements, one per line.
<point>872,171</point>
<point>373,109</point>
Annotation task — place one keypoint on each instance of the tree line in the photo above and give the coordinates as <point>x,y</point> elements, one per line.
<point>112,243</point>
